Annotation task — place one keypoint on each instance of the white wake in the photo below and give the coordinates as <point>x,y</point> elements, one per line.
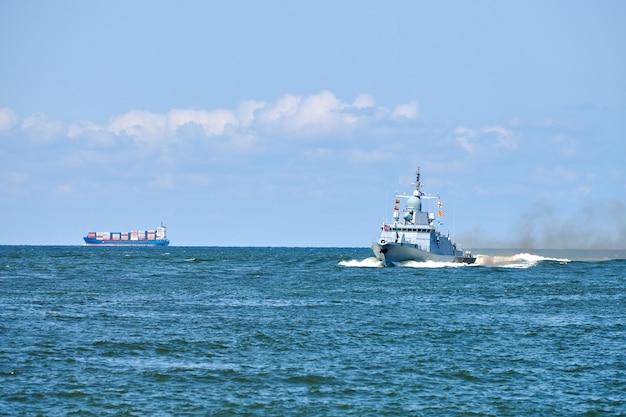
<point>520,260</point>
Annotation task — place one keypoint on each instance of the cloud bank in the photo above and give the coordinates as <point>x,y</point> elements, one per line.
<point>296,115</point>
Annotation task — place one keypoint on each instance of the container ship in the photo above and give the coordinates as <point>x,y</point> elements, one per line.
<point>154,237</point>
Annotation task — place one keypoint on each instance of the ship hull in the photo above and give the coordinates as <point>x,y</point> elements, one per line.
<point>391,253</point>
<point>100,242</point>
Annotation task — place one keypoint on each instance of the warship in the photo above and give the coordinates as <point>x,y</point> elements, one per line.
<point>413,234</point>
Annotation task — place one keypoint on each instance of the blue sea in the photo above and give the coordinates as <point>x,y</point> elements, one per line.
<point>212,331</point>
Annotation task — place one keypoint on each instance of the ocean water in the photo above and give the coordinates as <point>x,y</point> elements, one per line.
<point>191,331</point>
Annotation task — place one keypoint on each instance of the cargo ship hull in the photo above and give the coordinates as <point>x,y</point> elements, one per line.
<point>98,242</point>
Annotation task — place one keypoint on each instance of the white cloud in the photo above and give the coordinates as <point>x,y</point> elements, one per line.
<point>212,122</point>
<point>247,109</point>
<point>141,125</point>
<point>8,119</point>
<point>39,128</point>
<point>77,129</point>
<point>485,138</point>
<point>504,137</point>
<point>91,134</point>
<point>313,115</point>
<point>284,107</point>
<point>407,111</point>
<point>464,138</point>
<point>320,112</point>
<point>145,126</point>
<point>363,101</point>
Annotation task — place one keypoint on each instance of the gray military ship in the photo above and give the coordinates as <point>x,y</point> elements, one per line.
<point>413,234</point>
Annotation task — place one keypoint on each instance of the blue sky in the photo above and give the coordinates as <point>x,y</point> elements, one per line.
<point>290,123</point>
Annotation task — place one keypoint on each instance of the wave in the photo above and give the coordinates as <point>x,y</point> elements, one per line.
<point>519,260</point>
<point>371,262</point>
<point>431,264</point>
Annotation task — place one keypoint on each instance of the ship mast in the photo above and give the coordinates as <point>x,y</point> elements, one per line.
<point>417,180</point>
